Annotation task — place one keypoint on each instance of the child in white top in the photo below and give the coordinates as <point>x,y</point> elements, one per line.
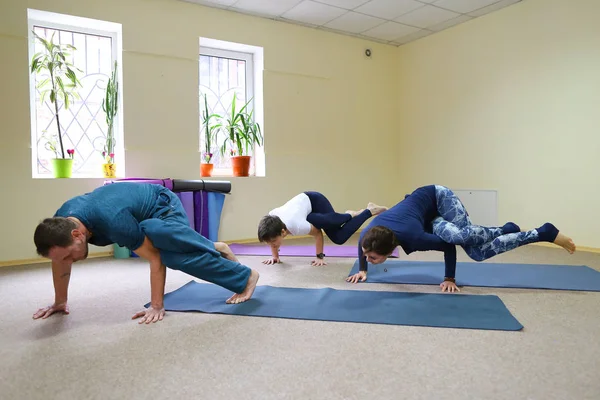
<point>310,213</point>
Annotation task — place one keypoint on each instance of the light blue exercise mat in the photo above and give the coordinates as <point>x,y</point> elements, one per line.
<point>526,276</point>
<point>361,306</point>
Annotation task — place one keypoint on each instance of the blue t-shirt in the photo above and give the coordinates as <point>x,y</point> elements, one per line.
<point>112,213</point>
<point>410,220</point>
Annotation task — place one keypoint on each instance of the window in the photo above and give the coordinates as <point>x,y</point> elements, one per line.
<point>228,69</point>
<point>222,74</point>
<point>83,124</point>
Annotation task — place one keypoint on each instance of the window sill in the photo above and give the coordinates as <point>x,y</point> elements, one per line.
<point>227,173</point>
<point>230,176</point>
<point>76,177</point>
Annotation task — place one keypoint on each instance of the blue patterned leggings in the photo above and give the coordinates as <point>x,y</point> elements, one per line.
<point>454,226</point>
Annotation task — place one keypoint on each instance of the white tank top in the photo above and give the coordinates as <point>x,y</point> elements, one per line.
<point>294,213</point>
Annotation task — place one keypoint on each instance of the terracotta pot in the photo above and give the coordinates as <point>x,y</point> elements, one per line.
<point>109,170</point>
<point>206,169</point>
<point>241,165</point>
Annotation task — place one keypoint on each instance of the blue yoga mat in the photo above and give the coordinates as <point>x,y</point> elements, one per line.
<point>529,276</point>
<point>361,306</point>
<point>215,207</point>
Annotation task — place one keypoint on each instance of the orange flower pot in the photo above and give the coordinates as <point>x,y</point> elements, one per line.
<point>206,169</point>
<point>241,165</point>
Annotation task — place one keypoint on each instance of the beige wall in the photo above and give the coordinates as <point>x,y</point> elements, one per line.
<point>328,110</point>
<point>511,102</point>
<point>507,101</point>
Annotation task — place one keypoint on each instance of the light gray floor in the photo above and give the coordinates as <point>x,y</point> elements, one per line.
<point>97,352</point>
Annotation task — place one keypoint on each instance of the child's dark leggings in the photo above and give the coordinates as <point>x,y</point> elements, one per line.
<point>338,227</point>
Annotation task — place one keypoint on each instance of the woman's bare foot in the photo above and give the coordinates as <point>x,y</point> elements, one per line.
<point>355,213</point>
<point>247,293</point>
<point>565,242</point>
<point>375,209</point>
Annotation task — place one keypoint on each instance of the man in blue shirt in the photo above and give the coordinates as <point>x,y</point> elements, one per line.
<point>148,219</point>
<point>433,218</point>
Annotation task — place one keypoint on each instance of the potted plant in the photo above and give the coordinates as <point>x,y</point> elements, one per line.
<point>64,168</point>
<point>209,134</point>
<point>110,106</point>
<point>243,133</point>
<point>60,84</point>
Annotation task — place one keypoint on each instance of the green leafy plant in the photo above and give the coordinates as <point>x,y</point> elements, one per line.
<point>53,147</point>
<point>210,131</point>
<point>110,106</point>
<point>241,130</point>
<point>62,81</point>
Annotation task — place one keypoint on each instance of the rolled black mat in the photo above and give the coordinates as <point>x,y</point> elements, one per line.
<point>183,185</point>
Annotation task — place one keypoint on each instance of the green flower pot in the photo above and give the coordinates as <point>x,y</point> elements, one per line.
<point>62,167</point>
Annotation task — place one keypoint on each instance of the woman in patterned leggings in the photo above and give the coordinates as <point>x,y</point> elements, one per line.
<point>433,218</point>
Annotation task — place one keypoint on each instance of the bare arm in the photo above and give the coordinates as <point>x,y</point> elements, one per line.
<point>158,272</point>
<point>275,251</point>
<point>61,275</point>
<point>275,256</point>
<point>319,241</point>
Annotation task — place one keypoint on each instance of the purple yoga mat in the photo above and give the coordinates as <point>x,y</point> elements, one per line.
<point>187,200</point>
<point>298,251</point>
<point>201,217</point>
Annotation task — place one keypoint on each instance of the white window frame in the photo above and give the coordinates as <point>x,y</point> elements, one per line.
<point>87,26</point>
<point>249,79</point>
<point>253,56</point>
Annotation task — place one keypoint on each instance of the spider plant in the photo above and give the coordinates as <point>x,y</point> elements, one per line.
<point>210,131</point>
<point>242,133</point>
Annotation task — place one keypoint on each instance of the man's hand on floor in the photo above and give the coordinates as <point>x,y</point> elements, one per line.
<point>45,312</point>
<point>150,315</point>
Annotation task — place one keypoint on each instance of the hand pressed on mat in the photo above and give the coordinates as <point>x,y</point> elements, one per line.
<point>270,261</point>
<point>318,262</point>
<point>150,315</point>
<point>275,255</point>
<point>48,311</point>
<point>359,277</point>
<point>448,286</point>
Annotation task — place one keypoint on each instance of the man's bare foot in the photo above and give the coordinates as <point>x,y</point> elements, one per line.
<point>375,209</point>
<point>225,251</point>
<point>247,293</point>
<point>565,242</point>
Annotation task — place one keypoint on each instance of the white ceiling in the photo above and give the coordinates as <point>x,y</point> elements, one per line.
<point>394,22</point>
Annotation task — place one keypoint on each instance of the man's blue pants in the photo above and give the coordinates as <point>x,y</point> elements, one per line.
<point>182,248</point>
